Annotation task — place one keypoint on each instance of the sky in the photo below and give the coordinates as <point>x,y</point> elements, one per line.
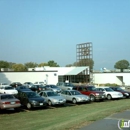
<point>43,30</point>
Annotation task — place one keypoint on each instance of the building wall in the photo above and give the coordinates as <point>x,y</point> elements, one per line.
<point>118,78</point>
<point>9,77</point>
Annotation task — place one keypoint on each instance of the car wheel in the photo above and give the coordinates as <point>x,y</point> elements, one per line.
<point>49,103</point>
<point>92,98</point>
<point>74,101</point>
<point>109,97</point>
<point>29,106</point>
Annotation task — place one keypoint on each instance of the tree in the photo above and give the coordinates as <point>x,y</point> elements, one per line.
<point>42,64</point>
<point>122,64</point>
<point>30,65</point>
<point>11,64</point>
<point>69,65</point>
<point>4,64</point>
<point>74,64</point>
<point>19,67</point>
<point>51,63</point>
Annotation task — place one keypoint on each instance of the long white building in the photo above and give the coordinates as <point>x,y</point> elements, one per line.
<point>52,75</point>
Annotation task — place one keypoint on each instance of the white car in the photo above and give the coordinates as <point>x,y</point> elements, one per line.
<point>110,93</point>
<point>4,84</point>
<point>8,90</point>
<point>75,96</point>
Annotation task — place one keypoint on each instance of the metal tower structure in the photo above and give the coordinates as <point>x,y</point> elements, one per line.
<point>84,56</point>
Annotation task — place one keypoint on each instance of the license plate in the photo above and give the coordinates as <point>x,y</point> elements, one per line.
<point>41,104</point>
<point>12,103</point>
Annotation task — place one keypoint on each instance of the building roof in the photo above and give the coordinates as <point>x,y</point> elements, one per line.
<point>68,70</point>
<point>64,70</point>
<point>76,70</point>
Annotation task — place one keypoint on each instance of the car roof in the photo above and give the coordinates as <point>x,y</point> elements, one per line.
<point>104,87</point>
<point>47,91</point>
<point>4,94</point>
<point>25,91</point>
<point>69,90</point>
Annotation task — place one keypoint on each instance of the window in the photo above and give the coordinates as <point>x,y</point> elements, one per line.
<point>41,93</point>
<point>68,93</point>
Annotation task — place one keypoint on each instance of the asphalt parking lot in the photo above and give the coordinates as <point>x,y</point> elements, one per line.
<point>111,122</point>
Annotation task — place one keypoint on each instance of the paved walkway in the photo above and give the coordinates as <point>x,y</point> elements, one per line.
<point>110,122</point>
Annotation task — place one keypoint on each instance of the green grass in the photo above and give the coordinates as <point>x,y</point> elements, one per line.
<point>62,118</point>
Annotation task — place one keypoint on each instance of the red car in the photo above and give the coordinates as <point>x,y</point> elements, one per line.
<point>91,92</point>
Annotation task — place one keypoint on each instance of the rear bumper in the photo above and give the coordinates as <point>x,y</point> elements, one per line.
<point>10,106</point>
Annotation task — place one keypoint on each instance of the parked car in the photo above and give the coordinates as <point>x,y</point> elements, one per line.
<point>53,98</point>
<point>15,84</point>
<point>31,99</point>
<point>125,93</point>
<point>8,90</point>
<point>39,83</point>
<point>110,93</point>
<point>53,88</point>
<point>22,88</point>
<point>28,84</point>
<point>65,86</point>
<point>75,96</point>
<point>9,101</point>
<point>91,91</point>
<point>3,84</point>
<point>37,88</point>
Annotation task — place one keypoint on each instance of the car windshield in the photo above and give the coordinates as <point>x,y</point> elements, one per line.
<point>32,95</point>
<point>17,83</point>
<point>28,83</point>
<point>108,89</point>
<point>119,89</point>
<point>4,84</point>
<point>68,84</point>
<point>91,89</point>
<point>41,82</point>
<point>9,88</point>
<point>41,86</point>
<point>22,87</point>
<point>7,97</point>
<point>52,94</point>
<point>75,93</point>
<point>53,86</point>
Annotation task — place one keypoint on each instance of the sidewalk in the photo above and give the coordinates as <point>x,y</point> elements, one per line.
<point>110,122</point>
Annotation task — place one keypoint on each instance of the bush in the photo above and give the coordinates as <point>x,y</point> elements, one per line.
<point>109,84</point>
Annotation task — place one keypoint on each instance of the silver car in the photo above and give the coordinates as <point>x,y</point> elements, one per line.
<point>65,86</point>
<point>53,98</point>
<point>53,88</point>
<point>75,96</point>
<point>8,101</point>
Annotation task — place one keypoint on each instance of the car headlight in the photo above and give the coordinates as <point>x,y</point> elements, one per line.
<point>126,93</point>
<point>34,101</point>
<point>78,98</point>
<point>97,94</point>
<point>54,100</point>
